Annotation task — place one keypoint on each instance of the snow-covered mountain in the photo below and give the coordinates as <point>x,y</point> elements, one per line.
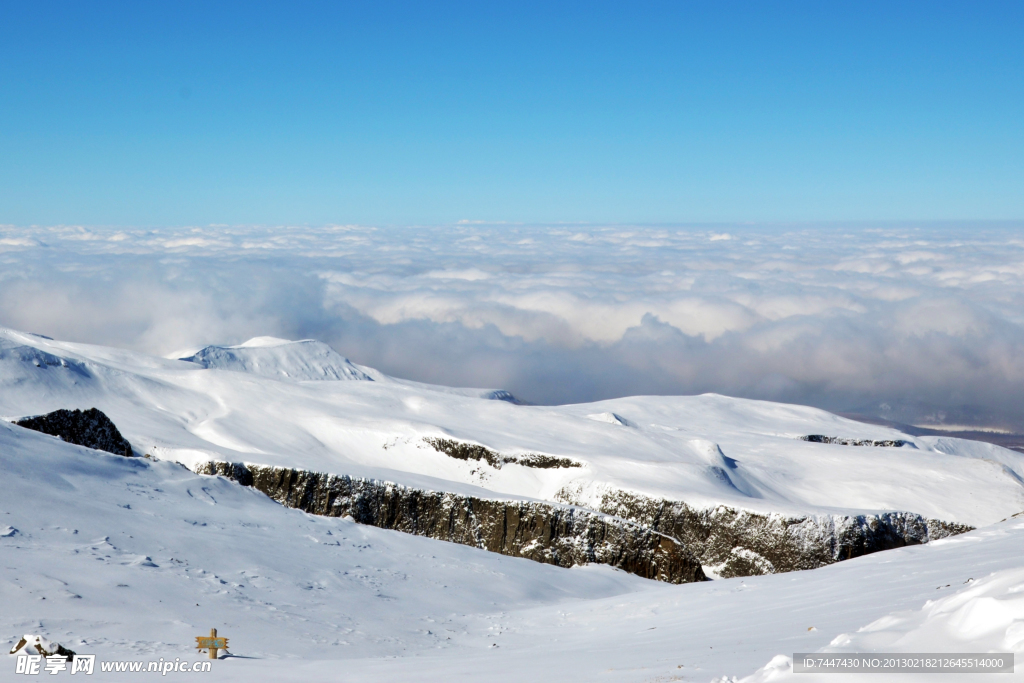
<point>281,359</point>
<point>131,558</point>
<point>230,404</point>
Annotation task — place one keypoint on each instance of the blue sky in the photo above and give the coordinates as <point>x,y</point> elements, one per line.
<point>163,114</point>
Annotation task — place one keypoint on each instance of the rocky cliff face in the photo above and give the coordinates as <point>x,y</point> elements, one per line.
<point>732,542</point>
<point>654,538</point>
<point>549,533</point>
<point>90,428</point>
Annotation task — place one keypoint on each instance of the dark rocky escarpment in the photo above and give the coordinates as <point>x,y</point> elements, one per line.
<point>470,451</point>
<point>548,533</point>
<point>90,428</point>
<point>885,443</point>
<point>733,542</point>
<point>654,538</point>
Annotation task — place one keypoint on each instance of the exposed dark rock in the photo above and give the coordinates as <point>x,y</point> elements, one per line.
<point>734,542</point>
<point>549,533</point>
<point>90,428</point>
<point>540,461</point>
<point>886,443</point>
<point>469,451</point>
<point>654,538</point>
<point>54,648</point>
<point>465,451</point>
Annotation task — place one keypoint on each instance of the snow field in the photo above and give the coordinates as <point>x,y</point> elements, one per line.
<point>308,597</point>
<point>126,557</point>
<point>133,558</point>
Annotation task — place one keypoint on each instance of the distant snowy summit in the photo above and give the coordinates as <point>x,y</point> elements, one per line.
<point>275,358</point>
<point>311,360</point>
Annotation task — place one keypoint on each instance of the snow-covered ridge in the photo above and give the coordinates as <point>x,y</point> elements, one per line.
<point>101,536</point>
<point>136,557</point>
<point>307,359</point>
<point>705,451</point>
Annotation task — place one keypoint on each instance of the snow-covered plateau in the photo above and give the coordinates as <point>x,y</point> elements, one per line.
<point>131,558</point>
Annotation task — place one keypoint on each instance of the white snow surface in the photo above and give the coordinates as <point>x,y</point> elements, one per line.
<point>131,559</point>
<point>982,616</point>
<point>705,450</point>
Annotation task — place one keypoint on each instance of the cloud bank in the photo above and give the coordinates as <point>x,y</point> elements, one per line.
<point>917,324</point>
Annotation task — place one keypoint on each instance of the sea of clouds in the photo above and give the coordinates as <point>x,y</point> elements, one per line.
<point>920,324</point>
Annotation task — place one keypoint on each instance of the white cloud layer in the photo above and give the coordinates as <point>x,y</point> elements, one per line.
<point>916,323</point>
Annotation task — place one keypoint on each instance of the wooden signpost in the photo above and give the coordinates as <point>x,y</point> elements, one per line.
<point>211,643</point>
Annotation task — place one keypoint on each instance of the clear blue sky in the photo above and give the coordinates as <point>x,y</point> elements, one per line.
<point>174,113</point>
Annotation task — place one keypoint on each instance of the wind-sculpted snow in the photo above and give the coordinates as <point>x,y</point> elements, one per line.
<point>22,356</point>
<point>917,324</point>
<point>983,615</point>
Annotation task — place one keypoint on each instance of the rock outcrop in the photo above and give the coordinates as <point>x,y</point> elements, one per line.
<point>90,428</point>
<point>655,538</point>
<point>550,533</point>
<point>733,542</point>
<point>885,443</point>
<point>461,450</point>
<point>38,645</point>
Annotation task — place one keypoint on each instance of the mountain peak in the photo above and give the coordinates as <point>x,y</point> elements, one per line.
<point>282,359</point>
<point>261,342</point>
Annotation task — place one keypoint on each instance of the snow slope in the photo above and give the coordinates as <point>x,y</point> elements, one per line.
<point>131,559</point>
<point>127,555</point>
<point>983,616</point>
<point>704,450</point>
